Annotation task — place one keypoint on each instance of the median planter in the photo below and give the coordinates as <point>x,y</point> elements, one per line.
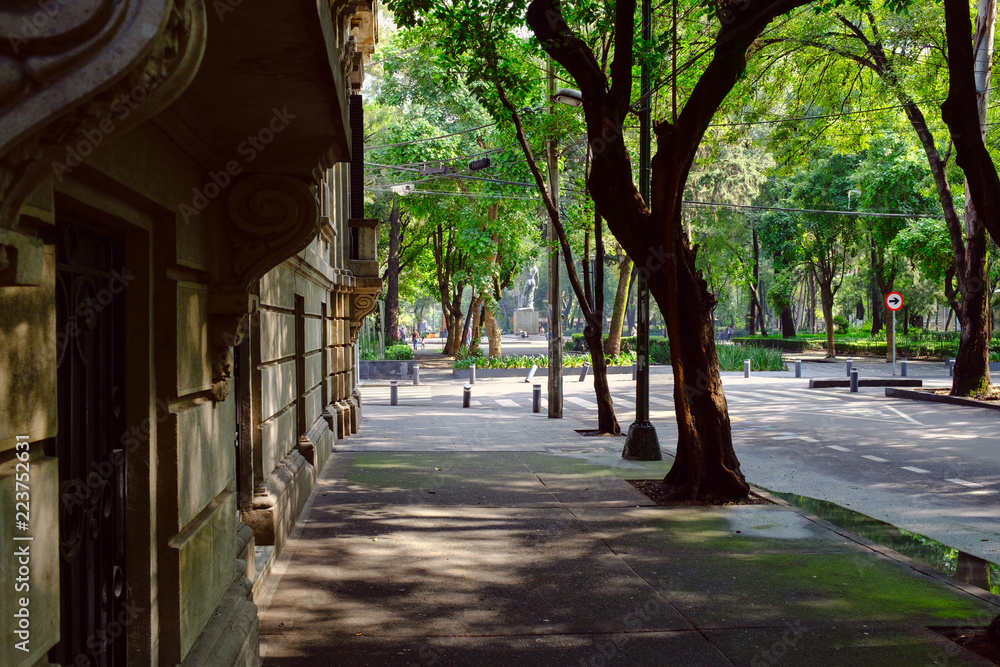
<point>463,373</point>
<point>386,370</point>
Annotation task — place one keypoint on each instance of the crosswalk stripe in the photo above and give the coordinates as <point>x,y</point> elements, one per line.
<point>877,459</point>
<point>795,394</point>
<point>623,402</point>
<point>661,401</point>
<point>582,403</point>
<point>507,403</point>
<point>915,469</point>
<point>838,448</point>
<point>955,480</point>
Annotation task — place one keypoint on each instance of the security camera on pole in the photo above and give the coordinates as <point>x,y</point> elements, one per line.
<point>893,301</point>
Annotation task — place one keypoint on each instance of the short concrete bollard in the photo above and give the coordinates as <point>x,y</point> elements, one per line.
<point>854,380</point>
<point>902,368</point>
<point>416,374</point>
<point>536,398</point>
<point>472,374</point>
<point>798,368</point>
<point>531,372</point>
<point>586,369</point>
<point>467,396</point>
<point>850,365</point>
<point>394,393</point>
<point>746,368</point>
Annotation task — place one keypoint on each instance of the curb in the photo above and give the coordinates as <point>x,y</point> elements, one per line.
<point>821,383</point>
<point>881,550</point>
<point>938,398</point>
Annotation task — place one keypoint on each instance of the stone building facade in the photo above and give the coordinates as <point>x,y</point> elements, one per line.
<point>183,273</point>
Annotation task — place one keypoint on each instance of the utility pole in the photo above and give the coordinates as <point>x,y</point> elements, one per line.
<point>555,305</point>
<point>642,443</point>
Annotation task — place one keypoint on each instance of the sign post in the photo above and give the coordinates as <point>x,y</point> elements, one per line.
<point>893,301</point>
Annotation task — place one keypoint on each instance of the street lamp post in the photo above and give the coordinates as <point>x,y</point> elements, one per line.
<point>555,380</point>
<point>642,443</point>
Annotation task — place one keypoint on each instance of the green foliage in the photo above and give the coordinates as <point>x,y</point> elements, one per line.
<point>525,361</point>
<point>399,352</point>
<point>761,358</point>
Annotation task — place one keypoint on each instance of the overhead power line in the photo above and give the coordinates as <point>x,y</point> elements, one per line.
<point>417,141</point>
<point>857,214</point>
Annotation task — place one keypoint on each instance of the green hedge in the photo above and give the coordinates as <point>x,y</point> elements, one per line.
<point>787,344</point>
<point>399,352</point>
<point>525,361</point>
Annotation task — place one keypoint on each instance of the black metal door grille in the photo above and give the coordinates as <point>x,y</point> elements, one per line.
<point>90,343</point>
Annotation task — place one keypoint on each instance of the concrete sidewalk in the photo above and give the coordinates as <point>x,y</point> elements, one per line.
<point>549,557</point>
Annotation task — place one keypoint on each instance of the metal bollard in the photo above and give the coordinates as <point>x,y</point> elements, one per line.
<point>798,368</point>
<point>902,368</point>
<point>394,393</point>
<point>854,380</point>
<point>950,363</point>
<point>531,372</point>
<point>472,374</point>
<point>536,398</point>
<point>467,396</point>
<point>746,368</point>
<point>416,374</point>
<point>850,365</point>
<point>635,371</point>
<point>586,369</point>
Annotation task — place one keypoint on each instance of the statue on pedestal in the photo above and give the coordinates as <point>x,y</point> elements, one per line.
<point>528,294</point>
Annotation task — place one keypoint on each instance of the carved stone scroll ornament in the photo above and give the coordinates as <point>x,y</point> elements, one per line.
<point>270,218</point>
<point>362,305</point>
<point>77,73</point>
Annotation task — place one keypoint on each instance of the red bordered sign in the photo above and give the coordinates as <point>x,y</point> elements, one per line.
<point>893,300</point>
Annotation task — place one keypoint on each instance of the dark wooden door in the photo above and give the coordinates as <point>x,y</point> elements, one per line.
<point>90,340</point>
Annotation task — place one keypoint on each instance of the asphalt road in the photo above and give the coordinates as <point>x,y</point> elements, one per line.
<point>930,468</point>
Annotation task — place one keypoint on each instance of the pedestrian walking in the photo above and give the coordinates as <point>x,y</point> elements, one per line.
<point>414,337</point>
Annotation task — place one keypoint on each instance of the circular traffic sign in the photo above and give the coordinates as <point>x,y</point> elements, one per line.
<point>893,300</point>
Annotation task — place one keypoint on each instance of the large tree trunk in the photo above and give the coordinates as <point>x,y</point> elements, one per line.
<point>493,333</point>
<point>613,345</point>
<point>972,368</point>
<point>475,310</point>
<point>826,298</point>
<point>392,276</point>
<point>706,466</point>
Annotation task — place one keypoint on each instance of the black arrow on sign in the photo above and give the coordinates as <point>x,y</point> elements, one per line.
<point>893,300</point>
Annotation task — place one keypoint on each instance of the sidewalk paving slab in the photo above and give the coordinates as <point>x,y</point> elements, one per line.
<point>500,570</point>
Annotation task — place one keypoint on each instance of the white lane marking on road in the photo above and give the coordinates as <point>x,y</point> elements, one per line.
<point>906,417</point>
<point>795,394</point>
<point>624,402</point>
<point>838,448</point>
<point>914,469</point>
<point>955,480</point>
<point>475,404</point>
<point>737,397</point>
<point>795,436</point>
<point>582,403</point>
<point>661,401</point>
<point>877,459</point>
<point>507,403</point>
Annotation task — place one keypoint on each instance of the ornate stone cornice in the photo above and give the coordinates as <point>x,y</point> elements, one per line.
<point>74,74</point>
